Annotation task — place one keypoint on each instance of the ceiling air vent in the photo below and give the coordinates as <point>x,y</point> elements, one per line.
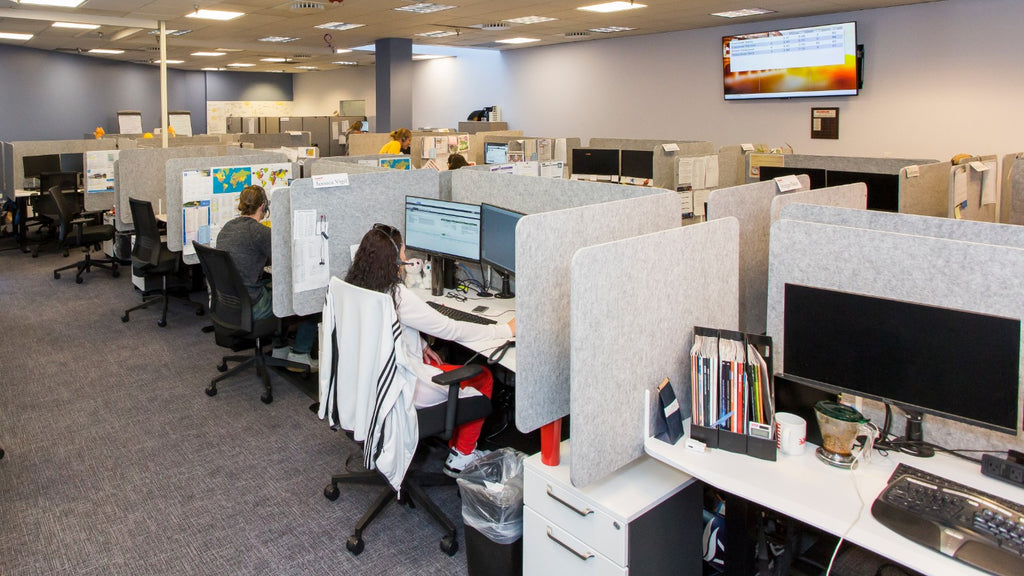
<point>301,5</point>
<point>491,26</point>
<point>582,34</point>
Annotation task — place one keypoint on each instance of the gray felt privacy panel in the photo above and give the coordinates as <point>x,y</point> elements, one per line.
<point>633,328</point>
<point>974,210</point>
<point>968,276</point>
<point>849,163</point>
<point>334,165</point>
<point>927,193</point>
<point>751,205</point>
<point>174,168</point>
<point>545,244</point>
<point>845,196</point>
<point>1011,203</point>
<point>14,169</point>
<point>350,212</point>
<point>281,251</point>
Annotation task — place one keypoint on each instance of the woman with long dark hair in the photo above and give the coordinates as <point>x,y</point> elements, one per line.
<point>379,265</point>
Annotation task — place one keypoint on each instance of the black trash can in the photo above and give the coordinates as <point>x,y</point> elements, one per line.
<point>492,511</point>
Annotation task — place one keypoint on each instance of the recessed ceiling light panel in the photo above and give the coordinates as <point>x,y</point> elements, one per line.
<point>215,14</point>
<point>612,7</point>
<point>438,33</point>
<point>240,65</point>
<point>278,39</point>
<point>14,36</point>
<point>530,20</point>
<point>105,51</point>
<point>273,59</point>
<point>208,53</point>
<point>346,63</point>
<point>610,29</point>
<point>57,3</point>
<point>339,26</point>
<point>519,40</point>
<point>424,8</point>
<point>742,12</point>
<point>75,25</point>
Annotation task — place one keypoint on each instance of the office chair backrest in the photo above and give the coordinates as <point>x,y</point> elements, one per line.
<point>230,306</point>
<point>65,210</point>
<point>147,232</point>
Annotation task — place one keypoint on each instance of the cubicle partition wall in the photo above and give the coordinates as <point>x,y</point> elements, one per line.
<point>633,328</point>
<point>664,160</point>
<point>906,265</point>
<point>732,166</point>
<point>366,143</point>
<point>1011,198</point>
<point>347,212</point>
<point>174,191</point>
<point>14,152</point>
<point>974,193</point>
<point>344,165</point>
<point>534,195</point>
<point>278,140</point>
<point>924,189</point>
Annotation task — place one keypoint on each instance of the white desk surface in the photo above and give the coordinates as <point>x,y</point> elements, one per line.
<point>810,491</point>
<point>495,309</point>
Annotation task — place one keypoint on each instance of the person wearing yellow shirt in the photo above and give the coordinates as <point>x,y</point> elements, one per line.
<point>401,141</point>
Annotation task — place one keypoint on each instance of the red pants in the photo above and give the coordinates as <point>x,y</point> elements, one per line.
<point>465,435</point>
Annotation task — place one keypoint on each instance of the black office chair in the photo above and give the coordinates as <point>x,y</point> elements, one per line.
<point>151,258</point>
<point>78,231</point>
<point>435,422</point>
<point>233,324</point>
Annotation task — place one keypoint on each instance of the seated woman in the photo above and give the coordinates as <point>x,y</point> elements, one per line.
<point>401,142</point>
<point>248,243</point>
<point>456,161</point>
<point>379,266</point>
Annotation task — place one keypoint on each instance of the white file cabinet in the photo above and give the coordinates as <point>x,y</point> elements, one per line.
<point>643,519</point>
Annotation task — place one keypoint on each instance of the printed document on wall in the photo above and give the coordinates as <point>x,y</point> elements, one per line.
<point>311,265</point>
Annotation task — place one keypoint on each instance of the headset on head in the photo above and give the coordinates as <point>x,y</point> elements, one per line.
<point>387,230</point>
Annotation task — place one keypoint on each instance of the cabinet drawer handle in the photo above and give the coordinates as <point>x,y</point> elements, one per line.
<point>583,512</point>
<point>584,556</point>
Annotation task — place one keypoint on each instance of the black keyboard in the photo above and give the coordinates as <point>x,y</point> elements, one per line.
<point>460,315</point>
<point>974,527</point>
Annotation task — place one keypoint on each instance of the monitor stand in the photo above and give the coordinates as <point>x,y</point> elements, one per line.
<point>506,287</point>
<point>913,436</point>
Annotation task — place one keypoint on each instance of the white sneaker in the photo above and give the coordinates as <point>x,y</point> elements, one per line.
<point>303,359</point>
<point>281,353</point>
<point>457,461</point>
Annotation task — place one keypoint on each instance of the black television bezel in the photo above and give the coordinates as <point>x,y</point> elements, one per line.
<point>618,161</point>
<point>53,165</point>
<point>440,253</point>
<point>905,404</point>
<point>498,144</point>
<point>497,265</point>
<point>858,58</point>
<point>647,154</point>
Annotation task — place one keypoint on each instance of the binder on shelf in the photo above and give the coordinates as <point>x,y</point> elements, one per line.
<point>668,426</point>
<point>732,392</point>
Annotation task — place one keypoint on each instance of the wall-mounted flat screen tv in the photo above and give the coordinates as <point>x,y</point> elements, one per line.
<point>811,62</point>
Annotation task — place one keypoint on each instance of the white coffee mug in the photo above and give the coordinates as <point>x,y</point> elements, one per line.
<point>790,433</point>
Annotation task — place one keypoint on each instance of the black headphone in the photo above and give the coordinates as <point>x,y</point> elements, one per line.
<point>388,231</point>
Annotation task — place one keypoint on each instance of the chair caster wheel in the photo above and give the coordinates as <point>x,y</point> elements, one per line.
<point>267,398</point>
<point>79,279</point>
<point>125,317</point>
<point>65,254</point>
<point>331,492</point>
<point>56,275</point>
<point>115,273</point>
<point>449,545</point>
<point>354,544</point>
<point>222,367</point>
<point>161,323</point>
<point>211,391</point>
<point>1,454</point>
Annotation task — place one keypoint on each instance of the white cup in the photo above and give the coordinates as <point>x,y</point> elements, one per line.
<point>790,433</point>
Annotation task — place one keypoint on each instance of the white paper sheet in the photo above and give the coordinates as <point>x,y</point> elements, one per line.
<point>311,267</point>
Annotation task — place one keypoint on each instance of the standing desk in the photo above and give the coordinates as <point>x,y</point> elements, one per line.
<point>812,492</point>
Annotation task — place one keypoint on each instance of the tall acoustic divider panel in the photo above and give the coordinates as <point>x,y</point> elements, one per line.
<point>976,203</point>
<point>545,244</point>
<point>845,196</point>
<point>924,189</point>
<point>1011,205</point>
<point>174,181</point>
<point>966,276</point>
<point>633,328</point>
<point>14,173</point>
<point>751,205</point>
<point>532,195</point>
<point>348,212</point>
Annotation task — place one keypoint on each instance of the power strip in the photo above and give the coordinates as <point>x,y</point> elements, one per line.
<point>1009,469</point>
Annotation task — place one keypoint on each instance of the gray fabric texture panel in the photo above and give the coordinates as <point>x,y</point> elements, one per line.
<point>281,250</point>
<point>335,165</point>
<point>926,194</point>
<point>545,244</point>
<point>901,267</point>
<point>633,328</point>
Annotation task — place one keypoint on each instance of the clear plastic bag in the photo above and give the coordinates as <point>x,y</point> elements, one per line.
<point>492,495</point>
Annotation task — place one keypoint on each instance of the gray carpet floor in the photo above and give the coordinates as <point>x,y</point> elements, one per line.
<point>118,463</point>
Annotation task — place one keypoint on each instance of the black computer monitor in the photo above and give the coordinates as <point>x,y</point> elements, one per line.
<point>67,181</point>
<point>498,243</point>
<point>72,162</point>
<point>637,164</point>
<point>443,228</point>
<point>595,161</point>
<point>495,152</point>
<point>883,189</point>
<point>33,166</point>
<point>816,175</point>
<point>925,359</point>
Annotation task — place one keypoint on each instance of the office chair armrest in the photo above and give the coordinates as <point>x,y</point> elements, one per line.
<point>79,224</point>
<point>452,379</point>
<point>93,215</point>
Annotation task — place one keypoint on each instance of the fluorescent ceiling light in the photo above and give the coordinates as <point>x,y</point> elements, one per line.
<point>214,14</point>
<point>273,59</point>
<point>612,7</point>
<point>208,53</point>
<point>742,12</point>
<point>212,69</point>
<point>341,50</point>
<point>228,49</point>
<point>170,32</point>
<point>428,56</point>
<point>339,26</point>
<point>346,63</point>
<point>609,29</point>
<point>424,8</point>
<point>170,61</point>
<point>58,3</point>
<point>306,67</point>
<point>14,36</point>
<point>240,65</point>
<point>530,20</point>
<point>105,51</point>
<point>279,39</point>
<point>75,25</point>
<point>518,40</point>
<point>438,33</point>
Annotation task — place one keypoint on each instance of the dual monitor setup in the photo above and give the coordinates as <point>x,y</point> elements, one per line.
<point>449,231</point>
<point>625,165</point>
<point>50,170</point>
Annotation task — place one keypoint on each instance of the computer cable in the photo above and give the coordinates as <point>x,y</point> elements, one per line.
<point>499,352</point>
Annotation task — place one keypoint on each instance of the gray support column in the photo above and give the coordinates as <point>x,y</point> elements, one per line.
<point>394,84</point>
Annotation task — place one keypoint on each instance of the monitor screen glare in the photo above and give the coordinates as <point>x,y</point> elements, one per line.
<point>495,153</point>
<point>450,229</point>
